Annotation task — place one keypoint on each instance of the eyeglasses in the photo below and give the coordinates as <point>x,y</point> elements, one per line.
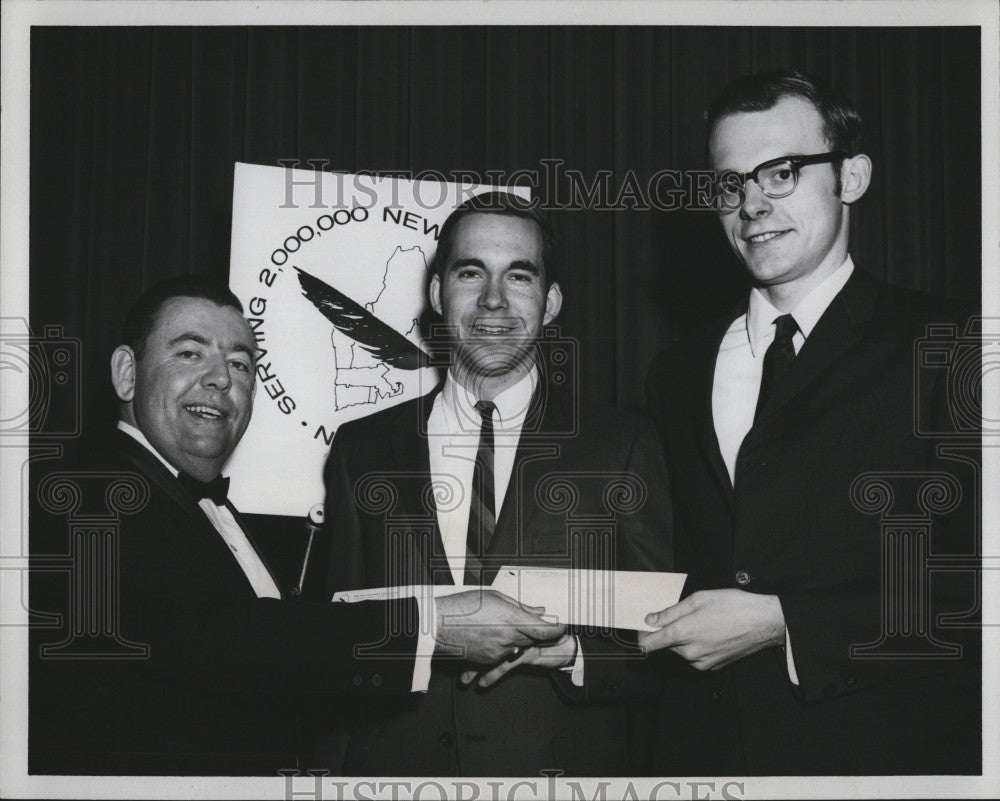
<point>776,178</point>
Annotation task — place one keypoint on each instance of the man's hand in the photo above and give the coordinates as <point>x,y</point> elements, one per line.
<point>484,626</point>
<point>559,654</point>
<point>712,628</point>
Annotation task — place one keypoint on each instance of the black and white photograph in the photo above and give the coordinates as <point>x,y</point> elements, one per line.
<point>500,400</point>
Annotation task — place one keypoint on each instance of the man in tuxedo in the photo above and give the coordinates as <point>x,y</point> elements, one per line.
<point>178,651</point>
<point>499,465</point>
<point>788,431</point>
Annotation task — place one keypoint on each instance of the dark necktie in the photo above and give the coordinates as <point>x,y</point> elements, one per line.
<point>779,357</point>
<point>482,511</point>
<point>216,489</point>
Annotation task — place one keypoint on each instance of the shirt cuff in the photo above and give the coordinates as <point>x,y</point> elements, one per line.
<point>427,622</point>
<point>576,669</point>
<point>790,661</point>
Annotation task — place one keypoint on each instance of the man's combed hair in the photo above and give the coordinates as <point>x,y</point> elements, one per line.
<point>763,90</point>
<point>497,202</point>
<point>142,317</point>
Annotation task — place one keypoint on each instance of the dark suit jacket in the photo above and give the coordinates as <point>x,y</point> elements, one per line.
<point>588,489</point>
<point>218,690</point>
<point>792,527</point>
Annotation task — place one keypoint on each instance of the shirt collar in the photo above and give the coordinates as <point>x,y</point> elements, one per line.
<point>512,404</point>
<point>761,314</point>
<point>139,437</point>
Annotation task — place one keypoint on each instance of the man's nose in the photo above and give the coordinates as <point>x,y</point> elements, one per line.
<point>217,375</point>
<point>757,204</point>
<point>493,296</point>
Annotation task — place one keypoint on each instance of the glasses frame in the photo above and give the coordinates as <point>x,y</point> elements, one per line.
<point>796,163</point>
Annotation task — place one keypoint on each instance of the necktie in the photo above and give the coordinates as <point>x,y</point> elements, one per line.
<point>482,511</point>
<point>778,359</point>
<point>216,489</point>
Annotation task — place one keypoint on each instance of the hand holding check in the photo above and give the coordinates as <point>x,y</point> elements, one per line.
<point>712,628</point>
<point>483,626</point>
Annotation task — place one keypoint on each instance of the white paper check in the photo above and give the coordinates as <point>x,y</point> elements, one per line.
<point>393,593</point>
<point>618,599</point>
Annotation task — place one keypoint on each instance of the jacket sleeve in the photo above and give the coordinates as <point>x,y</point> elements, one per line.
<point>614,666</point>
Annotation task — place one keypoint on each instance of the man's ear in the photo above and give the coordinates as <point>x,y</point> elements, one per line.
<point>434,293</point>
<point>553,303</point>
<point>855,176</point>
<point>123,373</point>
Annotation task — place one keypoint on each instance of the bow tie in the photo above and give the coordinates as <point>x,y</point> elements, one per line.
<point>216,489</point>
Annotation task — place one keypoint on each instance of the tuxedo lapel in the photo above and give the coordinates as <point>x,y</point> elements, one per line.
<point>261,554</point>
<point>164,481</point>
<point>151,467</point>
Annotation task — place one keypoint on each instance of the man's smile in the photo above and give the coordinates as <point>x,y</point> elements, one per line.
<point>205,411</point>
<point>497,327</point>
<point>766,236</point>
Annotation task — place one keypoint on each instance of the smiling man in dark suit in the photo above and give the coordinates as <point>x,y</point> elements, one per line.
<point>767,423</point>
<point>197,661</point>
<point>500,464</point>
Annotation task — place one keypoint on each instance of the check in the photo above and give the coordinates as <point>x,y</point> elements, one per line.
<point>618,599</point>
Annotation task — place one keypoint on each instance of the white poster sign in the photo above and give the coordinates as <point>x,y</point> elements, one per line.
<point>332,272</point>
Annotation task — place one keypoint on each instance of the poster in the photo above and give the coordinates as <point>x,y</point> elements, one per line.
<point>332,270</point>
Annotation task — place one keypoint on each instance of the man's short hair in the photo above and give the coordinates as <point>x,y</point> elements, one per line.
<point>763,90</point>
<point>497,203</point>
<point>143,316</point>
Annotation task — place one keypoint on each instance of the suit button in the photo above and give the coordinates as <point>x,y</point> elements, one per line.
<point>850,681</point>
<point>357,680</point>
<point>376,680</point>
<point>717,695</point>
<point>742,578</point>
<point>446,739</point>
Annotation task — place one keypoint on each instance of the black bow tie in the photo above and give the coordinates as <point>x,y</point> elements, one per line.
<point>216,489</point>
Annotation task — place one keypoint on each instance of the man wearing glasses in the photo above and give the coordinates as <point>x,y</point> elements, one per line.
<point>776,661</point>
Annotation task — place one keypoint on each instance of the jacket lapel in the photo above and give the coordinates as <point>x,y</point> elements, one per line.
<point>410,452</point>
<point>155,471</point>
<point>261,554</point>
<point>151,467</point>
<point>550,412</point>
<point>702,415</point>
<point>836,332</point>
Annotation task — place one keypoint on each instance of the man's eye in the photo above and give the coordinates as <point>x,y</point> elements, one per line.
<point>521,278</point>
<point>242,366</point>
<point>467,275</point>
<point>188,354</point>
<point>784,174</point>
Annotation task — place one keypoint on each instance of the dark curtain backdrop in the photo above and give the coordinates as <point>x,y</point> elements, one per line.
<point>134,132</point>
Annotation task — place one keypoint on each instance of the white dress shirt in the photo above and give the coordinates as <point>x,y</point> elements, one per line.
<point>740,364</point>
<point>453,439</point>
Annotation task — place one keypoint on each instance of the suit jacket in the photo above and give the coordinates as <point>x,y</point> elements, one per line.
<point>196,675</point>
<point>795,524</point>
<point>588,489</point>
